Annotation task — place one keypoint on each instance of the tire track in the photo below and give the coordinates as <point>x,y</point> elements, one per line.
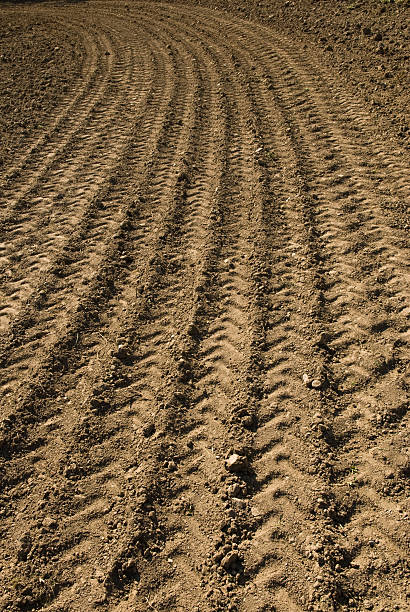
<point>241,244</point>
<point>334,231</point>
<point>336,551</point>
<point>145,163</point>
<point>117,579</point>
<point>223,375</point>
<point>38,159</point>
<point>348,298</point>
<point>206,434</point>
<point>168,146</point>
<point>70,337</point>
<point>157,365</point>
<point>50,229</point>
<point>116,569</point>
<point>84,82</point>
<point>246,155</point>
<point>270,568</point>
<point>48,305</point>
<point>260,75</point>
<point>80,87</point>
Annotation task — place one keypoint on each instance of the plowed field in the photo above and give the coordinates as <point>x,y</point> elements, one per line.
<point>204,321</point>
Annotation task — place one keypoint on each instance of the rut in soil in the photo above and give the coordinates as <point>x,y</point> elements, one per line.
<point>207,218</point>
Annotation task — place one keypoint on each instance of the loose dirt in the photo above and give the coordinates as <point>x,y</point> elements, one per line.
<point>204,307</point>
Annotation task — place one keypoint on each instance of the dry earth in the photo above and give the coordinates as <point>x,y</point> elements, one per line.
<point>204,307</point>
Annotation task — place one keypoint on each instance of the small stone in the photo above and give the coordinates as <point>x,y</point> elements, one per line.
<point>121,352</point>
<point>148,430</point>
<point>193,331</point>
<point>235,490</point>
<point>239,503</point>
<point>236,463</point>
<point>306,379</point>
<point>247,421</point>
<point>255,512</point>
<point>323,339</point>
<point>230,560</point>
<point>49,523</point>
<point>316,383</point>
<point>80,498</point>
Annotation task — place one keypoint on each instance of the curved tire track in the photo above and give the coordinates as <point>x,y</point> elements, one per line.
<point>240,237</point>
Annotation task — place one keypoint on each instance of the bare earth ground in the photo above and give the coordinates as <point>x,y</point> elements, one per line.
<point>204,306</point>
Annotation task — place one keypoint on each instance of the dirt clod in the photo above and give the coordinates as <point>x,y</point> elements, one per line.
<point>316,383</point>
<point>235,463</point>
<point>230,561</point>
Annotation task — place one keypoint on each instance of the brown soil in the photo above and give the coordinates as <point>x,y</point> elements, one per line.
<point>204,307</point>
<point>39,59</point>
<point>363,42</point>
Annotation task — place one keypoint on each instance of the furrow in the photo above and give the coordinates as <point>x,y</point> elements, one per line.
<point>344,181</point>
<point>168,218</point>
<point>259,77</point>
<point>334,263</point>
<point>54,299</point>
<point>225,364</point>
<point>80,90</point>
<point>37,236</point>
<point>205,358</point>
<point>286,482</point>
<point>163,348</point>
<point>358,359</point>
<point>385,165</point>
<point>20,182</point>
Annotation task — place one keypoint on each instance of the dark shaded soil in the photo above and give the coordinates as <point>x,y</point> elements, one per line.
<point>39,60</point>
<point>365,42</point>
